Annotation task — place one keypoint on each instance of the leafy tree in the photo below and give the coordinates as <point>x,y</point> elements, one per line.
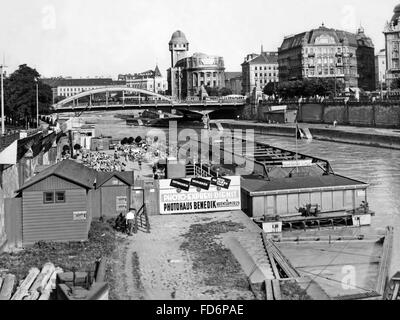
<point>224,92</point>
<point>124,141</point>
<point>395,84</point>
<point>211,91</point>
<point>138,139</point>
<point>66,148</point>
<point>270,88</point>
<point>20,93</point>
<point>130,140</point>
<point>310,88</point>
<point>77,146</point>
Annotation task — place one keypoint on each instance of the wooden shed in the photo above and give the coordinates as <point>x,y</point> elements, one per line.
<point>113,193</point>
<point>56,203</point>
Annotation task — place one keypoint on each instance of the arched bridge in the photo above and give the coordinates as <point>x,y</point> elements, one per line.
<point>137,99</point>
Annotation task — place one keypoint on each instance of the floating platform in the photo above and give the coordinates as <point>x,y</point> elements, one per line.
<point>331,219</point>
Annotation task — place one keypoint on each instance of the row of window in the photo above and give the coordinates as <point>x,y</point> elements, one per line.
<point>326,50</point>
<point>265,68</point>
<point>328,71</point>
<point>265,74</point>
<point>54,197</point>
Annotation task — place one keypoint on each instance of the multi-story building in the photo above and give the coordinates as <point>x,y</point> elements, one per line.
<point>188,75</point>
<point>258,70</point>
<point>329,53</point>
<point>392,39</point>
<point>233,81</point>
<point>150,80</point>
<point>62,87</point>
<point>380,69</point>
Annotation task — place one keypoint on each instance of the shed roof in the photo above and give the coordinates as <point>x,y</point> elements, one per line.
<point>255,184</point>
<point>67,169</point>
<point>103,177</point>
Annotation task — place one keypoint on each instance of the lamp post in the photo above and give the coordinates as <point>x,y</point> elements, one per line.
<point>37,103</point>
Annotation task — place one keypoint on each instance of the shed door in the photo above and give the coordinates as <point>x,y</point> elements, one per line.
<point>137,199</point>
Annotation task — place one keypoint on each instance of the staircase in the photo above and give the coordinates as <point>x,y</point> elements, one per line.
<point>142,222</point>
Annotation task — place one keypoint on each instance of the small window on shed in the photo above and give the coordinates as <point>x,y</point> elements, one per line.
<point>48,197</point>
<point>60,196</point>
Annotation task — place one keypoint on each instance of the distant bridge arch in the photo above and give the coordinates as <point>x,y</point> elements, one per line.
<point>59,105</point>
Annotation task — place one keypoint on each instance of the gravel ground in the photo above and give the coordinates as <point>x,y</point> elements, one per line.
<point>180,259</point>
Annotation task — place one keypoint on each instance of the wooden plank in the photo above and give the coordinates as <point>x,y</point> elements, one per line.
<point>396,291</point>
<point>43,277</point>
<point>283,262</point>
<point>270,257</point>
<point>269,295</point>
<point>23,289</point>
<point>276,287</point>
<point>7,288</point>
<point>385,261</point>
<point>33,295</point>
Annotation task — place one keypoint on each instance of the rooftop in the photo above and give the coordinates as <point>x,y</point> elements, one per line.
<point>67,169</point>
<point>255,184</point>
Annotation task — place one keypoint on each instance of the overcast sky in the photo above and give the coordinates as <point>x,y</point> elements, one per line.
<point>82,38</point>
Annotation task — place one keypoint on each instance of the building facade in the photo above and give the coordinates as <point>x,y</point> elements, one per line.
<point>150,80</point>
<point>380,70</point>
<point>233,81</point>
<point>188,75</point>
<point>392,45</point>
<point>258,70</point>
<point>329,53</point>
<point>69,87</point>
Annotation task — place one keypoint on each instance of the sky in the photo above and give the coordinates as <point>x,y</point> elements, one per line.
<point>104,38</point>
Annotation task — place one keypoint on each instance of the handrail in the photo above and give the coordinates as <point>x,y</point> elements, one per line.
<point>141,212</point>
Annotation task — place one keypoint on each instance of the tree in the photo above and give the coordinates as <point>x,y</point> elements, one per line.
<point>130,140</point>
<point>395,84</point>
<point>20,93</point>
<point>211,91</point>
<point>77,147</point>
<point>124,141</point>
<point>224,92</point>
<point>310,87</point>
<point>138,139</point>
<point>270,88</point>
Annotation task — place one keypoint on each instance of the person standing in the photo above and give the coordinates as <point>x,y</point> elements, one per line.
<point>130,220</point>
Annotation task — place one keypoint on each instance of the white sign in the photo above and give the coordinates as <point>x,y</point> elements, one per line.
<point>122,203</point>
<point>79,215</point>
<point>298,163</point>
<point>174,200</point>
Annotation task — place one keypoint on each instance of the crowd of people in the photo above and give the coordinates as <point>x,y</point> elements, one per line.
<point>101,161</point>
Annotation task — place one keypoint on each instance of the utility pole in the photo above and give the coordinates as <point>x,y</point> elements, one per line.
<point>37,103</point>
<point>3,129</point>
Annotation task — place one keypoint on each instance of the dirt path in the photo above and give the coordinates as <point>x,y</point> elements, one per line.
<point>167,264</point>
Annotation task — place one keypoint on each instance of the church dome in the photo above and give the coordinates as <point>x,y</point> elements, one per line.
<point>396,15</point>
<point>178,37</point>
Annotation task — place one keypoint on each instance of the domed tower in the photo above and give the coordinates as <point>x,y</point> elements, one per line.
<point>178,46</point>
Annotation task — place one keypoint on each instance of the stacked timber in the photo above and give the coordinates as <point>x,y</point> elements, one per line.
<point>37,285</point>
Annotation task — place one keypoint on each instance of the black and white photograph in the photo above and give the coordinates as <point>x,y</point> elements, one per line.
<point>200,156</point>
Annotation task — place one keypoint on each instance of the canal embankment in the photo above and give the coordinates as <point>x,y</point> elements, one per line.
<point>373,137</point>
